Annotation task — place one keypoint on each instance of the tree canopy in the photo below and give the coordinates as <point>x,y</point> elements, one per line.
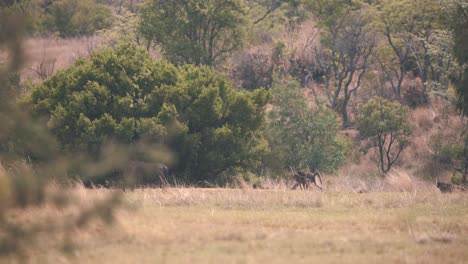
<point>194,31</point>
<point>348,42</point>
<point>386,124</point>
<point>307,137</point>
<point>75,18</point>
<point>122,95</point>
<point>457,21</point>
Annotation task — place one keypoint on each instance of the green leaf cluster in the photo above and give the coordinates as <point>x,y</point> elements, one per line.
<point>456,20</point>
<point>120,94</point>
<point>194,31</point>
<point>380,116</point>
<point>75,18</point>
<point>307,137</point>
<point>386,124</point>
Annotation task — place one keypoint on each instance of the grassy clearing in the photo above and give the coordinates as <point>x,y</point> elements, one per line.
<point>274,226</point>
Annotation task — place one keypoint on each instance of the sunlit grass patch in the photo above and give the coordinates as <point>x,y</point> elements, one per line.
<point>188,225</point>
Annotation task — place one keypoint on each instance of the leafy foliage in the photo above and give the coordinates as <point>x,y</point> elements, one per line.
<point>412,30</point>
<point>75,18</point>
<point>308,138</point>
<point>457,22</point>
<point>194,31</point>
<point>72,18</point>
<point>386,125</point>
<point>121,95</point>
<point>348,42</point>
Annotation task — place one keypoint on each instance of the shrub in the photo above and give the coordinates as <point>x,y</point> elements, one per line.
<point>446,147</point>
<point>385,124</point>
<point>122,95</point>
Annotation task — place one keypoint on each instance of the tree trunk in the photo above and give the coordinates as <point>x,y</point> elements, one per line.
<point>344,112</point>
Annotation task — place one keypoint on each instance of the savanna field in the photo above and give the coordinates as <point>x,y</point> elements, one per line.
<point>218,225</point>
<point>233,131</point>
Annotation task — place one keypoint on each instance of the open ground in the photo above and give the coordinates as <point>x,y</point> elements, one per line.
<point>185,225</point>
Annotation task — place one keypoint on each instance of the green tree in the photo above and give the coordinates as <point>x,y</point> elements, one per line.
<point>348,42</point>
<point>457,22</point>
<point>194,31</point>
<point>410,29</point>
<point>385,124</point>
<point>75,18</point>
<point>122,95</point>
<point>294,10</point>
<point>307,137</point>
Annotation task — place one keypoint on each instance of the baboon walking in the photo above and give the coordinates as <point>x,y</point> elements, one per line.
<point>303,179</point>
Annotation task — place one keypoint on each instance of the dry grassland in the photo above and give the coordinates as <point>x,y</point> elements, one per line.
<point>186,225</point>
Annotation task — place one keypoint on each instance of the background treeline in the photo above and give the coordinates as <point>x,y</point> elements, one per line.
<point>252,88</point>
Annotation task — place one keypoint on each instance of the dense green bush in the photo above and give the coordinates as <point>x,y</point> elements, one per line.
<point>122,95</point>
<point>75,18</point>
<point>300,136</point>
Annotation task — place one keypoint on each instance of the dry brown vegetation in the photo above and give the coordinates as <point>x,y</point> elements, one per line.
<point>46,55</point>
<point>186,225</point>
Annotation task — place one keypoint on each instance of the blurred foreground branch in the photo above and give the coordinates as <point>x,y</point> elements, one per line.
<point>31,164</point>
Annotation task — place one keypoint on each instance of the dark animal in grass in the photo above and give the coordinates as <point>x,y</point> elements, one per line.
<point>445,187</point>
<point>304,179</point>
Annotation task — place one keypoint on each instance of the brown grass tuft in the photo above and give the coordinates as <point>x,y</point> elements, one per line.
<point>51,54</point>
<point>400,181</point>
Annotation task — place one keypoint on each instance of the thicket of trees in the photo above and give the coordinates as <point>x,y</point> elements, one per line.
<point>68,18</point>
<point>348,41</point>
<point>404,52</point>
<point>76,18</point>
<point>301,71</point>
<point>197,31</point>
<point>457,21</point>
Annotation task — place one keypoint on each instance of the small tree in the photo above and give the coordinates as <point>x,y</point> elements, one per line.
<point>305,137</point>
<point>386,125</point>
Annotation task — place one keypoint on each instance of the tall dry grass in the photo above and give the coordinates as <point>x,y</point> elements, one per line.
<point>398,191</point>
<point>365,177</point>
<point>56,53</point>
